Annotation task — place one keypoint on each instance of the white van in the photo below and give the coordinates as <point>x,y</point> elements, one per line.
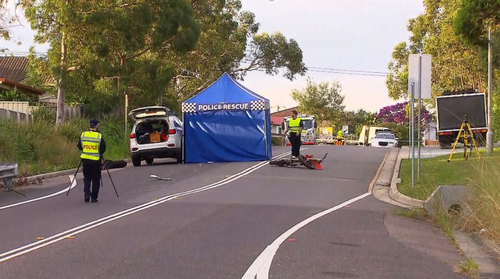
<point>368,133</point>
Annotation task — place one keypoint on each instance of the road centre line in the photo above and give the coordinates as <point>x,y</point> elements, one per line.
<point>73,185</point>
<point>262,264</point>
<point>82,228</point>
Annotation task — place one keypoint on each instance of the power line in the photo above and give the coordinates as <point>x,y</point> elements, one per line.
<point>339,71</point>
<point>310,68</point>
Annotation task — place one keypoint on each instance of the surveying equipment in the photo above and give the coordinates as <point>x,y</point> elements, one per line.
<point>465,132</point>
<point>74,177</point>
<point>105,165</point>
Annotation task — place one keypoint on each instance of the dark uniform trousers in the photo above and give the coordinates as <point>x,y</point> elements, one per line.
<point>295,142</point>
<point>91,174</point>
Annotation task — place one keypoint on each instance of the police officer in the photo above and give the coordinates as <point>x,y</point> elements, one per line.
<point>340,134</point>
<point>93,147</point>
<point>340,137</point>
<point>295,127</point>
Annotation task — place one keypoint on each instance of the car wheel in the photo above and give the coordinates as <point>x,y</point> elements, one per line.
<point>149,161</point>
<point>136,161</point>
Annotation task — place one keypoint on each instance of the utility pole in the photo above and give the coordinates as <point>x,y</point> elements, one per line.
<point>489,134</point>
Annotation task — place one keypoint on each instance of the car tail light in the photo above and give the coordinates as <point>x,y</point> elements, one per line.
<point>171,131</point>
<point>164,137</point>
<point>132,136</point>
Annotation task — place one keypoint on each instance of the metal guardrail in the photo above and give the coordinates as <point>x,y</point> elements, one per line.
<point>8,172</point>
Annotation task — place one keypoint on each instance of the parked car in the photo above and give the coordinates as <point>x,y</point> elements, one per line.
<point>384,140</point>
<point>156,133</point>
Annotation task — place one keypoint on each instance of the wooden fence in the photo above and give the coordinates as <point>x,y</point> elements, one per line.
<point>15,115</point>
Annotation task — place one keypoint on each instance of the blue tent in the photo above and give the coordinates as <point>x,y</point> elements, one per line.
<point>226,123</point>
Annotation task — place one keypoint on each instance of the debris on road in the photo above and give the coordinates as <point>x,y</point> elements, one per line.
<point>160,178</point>
<point>308,161</point>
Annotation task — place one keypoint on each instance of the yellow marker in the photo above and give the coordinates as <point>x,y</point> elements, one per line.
<point>71,237</point>
<point>228,176</point>
<point>176,198</point>
<point>40,238</point>
<point>155,199</point>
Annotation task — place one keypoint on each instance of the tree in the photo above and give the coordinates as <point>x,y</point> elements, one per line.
<point>357,119</point>
<point>171,68</point>
<point>399,114</point>
<point>229,42</point>
<point>455,64</point>
<point>321,100</point>
<point>92,43</point>
<point>7,19</point>
<point>473,19</point>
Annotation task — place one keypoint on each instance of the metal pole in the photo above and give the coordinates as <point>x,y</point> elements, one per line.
<point>489,134</point>
<point>419,112</point>
<point>183,139</point>
<point>412,138</point>
<point>125,114</point>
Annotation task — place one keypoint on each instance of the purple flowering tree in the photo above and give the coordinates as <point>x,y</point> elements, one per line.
<point>398,114</point>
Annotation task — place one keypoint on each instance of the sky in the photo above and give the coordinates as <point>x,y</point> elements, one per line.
<point>355,35</point>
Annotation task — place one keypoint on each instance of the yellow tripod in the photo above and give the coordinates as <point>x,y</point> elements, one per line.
<point>465,133</point>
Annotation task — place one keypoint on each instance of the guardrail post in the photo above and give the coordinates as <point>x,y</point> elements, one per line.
<point>8,173</point>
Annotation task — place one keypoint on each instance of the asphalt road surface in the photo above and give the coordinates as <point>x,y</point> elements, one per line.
<point>234,220</point>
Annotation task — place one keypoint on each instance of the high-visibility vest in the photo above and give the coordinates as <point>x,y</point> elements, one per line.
<point>294,125</point>
<point>90,145</point>
<point>340,133</point>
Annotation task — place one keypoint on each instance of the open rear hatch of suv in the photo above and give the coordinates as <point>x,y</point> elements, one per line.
<point>149,112</point>
<point>153,125</point>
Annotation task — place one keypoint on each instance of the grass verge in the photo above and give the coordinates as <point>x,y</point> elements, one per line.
<point>481,176</point>
<point>437,171</point>
<point>41,147</point>
<point>469,267</point>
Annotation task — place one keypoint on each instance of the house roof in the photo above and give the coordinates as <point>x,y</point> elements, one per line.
<point>284,113</point>
<point>10,84</point>
<point>14,68</point>
<point>277,120</point>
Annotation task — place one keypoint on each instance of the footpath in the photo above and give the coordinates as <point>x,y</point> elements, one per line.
<point>472,245</point>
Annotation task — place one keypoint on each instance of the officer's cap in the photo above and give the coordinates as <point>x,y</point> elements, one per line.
<point>93,122</point>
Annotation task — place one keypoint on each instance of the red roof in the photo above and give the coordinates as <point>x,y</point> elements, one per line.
<point>284,113</point>
<point>276,120</point>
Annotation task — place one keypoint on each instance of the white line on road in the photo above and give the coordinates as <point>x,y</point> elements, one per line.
<point>74,231</point>
<point>261,266</point>
<point>73,185</point>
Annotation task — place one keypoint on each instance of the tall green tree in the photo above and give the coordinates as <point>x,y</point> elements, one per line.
<point>456,65</point>
<point>230,42</point>
<point>473,19</point>
<point>322,100</point>
<point>93,43</point>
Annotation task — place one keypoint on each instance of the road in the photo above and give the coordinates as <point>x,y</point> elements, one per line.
<point>233,220</point>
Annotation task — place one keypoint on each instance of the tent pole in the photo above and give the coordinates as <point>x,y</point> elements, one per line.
<point>265,130</point>
<point>182,139</point>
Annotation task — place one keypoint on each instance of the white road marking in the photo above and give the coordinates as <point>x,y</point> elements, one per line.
<point>73,185</point>
<point>261,266</point>
<point>74,231</point>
